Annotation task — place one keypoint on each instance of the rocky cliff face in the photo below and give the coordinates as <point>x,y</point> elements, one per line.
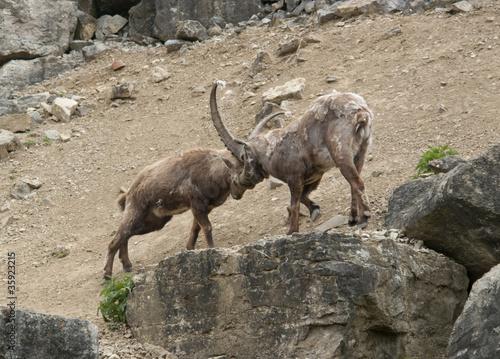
<point>35,28</point>
<point>309,295</point>
<point>29,334</point>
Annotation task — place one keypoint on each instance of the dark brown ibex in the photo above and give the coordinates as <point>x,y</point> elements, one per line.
<point>335,131</point>
<point>198,179</point>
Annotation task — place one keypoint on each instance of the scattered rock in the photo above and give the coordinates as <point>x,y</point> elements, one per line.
<point>266,110</point>
<point>5,207</point>
<point>63,108</point>
<point>289,48</point>
<point>293,89</point>
<point>175,45</point>
<point>160,74</point>
<point>259,64</point>
<point>461,6</point>
<point>327,14</point>
<point>334,222</point>
<point>108,25</point>
<point>214,30</point>
<point>331,79</point>
<point>21,190</point>
<point>52,135</point>
<point>393,31</point>
<point>91,52</point>
<point>125,90</point>
<point>16,122</point>
<point>190,30</point>
<point>8,143</point>
<point>117,65</point>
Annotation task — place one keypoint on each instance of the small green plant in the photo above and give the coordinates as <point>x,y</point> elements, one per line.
<point>434,153</point>
<point>113,306</point>
<point>29,143</point>
<point>46,141</point>
<point>61,255</point>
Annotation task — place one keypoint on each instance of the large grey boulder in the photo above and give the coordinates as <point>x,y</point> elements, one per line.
<point>35,28</point>
<point>28,334</point>
<point>310,295</point>
<point>163,16</point>
<point>19,74</point>
<point>476,332</point>
<point>456,213</point>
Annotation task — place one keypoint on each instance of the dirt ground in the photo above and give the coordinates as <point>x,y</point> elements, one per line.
<point>436,82</point>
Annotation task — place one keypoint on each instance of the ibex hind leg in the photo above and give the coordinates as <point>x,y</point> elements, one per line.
<point>360,207</point>
<point>314,211</point>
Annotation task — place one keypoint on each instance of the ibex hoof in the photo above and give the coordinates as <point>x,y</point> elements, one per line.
<point>128,269</point>
<point>353,220</point>
<point>316,214</point>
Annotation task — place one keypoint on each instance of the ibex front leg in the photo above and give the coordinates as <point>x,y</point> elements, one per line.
<point>296,189</point>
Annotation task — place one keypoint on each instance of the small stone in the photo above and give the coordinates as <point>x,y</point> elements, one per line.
<point>215,30</point>
<point>52,135</point>
<point>122,91</point>
<point>63,108</point>
<point>118,65</point>
<point>33,183</point>
<point>64,137</point>
<point>293,89</point>
<point>334,222</point>
<point>5,207</point>
<point>190,30</point>
<point>21,190</point>
<point>393,31</point>
<point>175,45</point>
<point>461,6</point>
<point>199,90</point>
<point>331,79</point>
<point>160,74</point>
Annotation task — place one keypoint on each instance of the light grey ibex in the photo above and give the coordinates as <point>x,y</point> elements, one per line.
<point>198,179</point>
<point>334,132</point>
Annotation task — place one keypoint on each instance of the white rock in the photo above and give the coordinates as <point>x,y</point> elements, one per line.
<point>63,108</point>
<point>293,89</point>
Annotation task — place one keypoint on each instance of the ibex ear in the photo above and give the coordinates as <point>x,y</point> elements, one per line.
<point>243,154</point>
<point>228,164</point>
